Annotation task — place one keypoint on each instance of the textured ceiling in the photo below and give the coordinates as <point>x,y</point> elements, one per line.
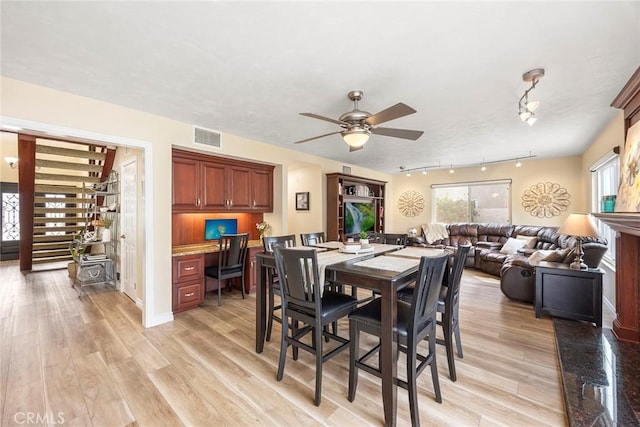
<point>250,68</point>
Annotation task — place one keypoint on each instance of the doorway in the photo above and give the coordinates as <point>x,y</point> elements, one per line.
<point>128,229</point>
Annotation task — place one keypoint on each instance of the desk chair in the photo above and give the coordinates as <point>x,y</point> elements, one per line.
<point>310,239</point>
<point>269,243</point>
<point>304,300</point>
<point>416,321</point>
<point>231,260</point>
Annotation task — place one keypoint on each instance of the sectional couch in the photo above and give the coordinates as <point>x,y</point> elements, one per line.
<point>490,251</point>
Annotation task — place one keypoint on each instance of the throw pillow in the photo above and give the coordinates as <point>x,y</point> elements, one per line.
<point>512,245</point>
<point>531,241</point>
<point>539,256</point>
<point>571,256</point>
<point>557,256</point>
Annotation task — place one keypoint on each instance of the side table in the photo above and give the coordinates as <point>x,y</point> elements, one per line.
<point>571,294</point>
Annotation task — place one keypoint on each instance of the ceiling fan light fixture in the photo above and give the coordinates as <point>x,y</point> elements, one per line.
<point>356,137</point>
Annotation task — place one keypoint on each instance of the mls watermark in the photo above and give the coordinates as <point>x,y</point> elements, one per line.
<point>37,418</point>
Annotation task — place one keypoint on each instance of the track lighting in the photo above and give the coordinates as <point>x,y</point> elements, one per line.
<point>517,161</point>
<point>526,108</point>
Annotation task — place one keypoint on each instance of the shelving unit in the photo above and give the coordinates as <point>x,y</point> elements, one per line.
<point>343,188</point>
<point>98,268</point>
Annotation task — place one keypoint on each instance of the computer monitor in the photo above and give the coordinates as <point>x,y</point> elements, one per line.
<point>213,228</point>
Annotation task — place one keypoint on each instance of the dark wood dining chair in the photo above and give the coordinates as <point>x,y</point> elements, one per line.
<point>390,239</point>
<point>231,260</point>
<point>448,307</point>
<point>269,243</point>
<point>416,321</point>
<point>306,300</point>
<point>310,239</point>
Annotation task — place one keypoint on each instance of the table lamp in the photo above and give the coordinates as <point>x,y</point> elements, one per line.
<point>579,226</point>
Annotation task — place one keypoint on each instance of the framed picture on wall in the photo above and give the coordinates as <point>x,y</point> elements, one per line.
<point>302,201</point>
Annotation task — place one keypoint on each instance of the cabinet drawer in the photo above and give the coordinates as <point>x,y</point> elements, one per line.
<point>188,295</point>
<point>188,267</point>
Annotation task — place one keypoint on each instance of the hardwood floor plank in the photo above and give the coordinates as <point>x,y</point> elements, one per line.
<point>105,404</point>
<point>64,395</point>
<point>146,403</point>
<point>109,344</point>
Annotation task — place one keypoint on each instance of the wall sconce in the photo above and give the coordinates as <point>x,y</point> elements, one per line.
<point>526,108</point>
<point>12,161</point>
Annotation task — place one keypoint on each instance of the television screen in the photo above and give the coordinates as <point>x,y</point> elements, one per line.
<point>213,228</point>
<point>359,216</point>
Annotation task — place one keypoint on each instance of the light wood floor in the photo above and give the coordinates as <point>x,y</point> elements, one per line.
<point>89,362</point>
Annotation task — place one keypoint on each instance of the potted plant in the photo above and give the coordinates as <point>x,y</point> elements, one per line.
<point>364,238</point>
<point>76,248</point>
<point>106,223</point>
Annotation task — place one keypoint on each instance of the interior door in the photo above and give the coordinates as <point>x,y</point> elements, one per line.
<point>128,216</point>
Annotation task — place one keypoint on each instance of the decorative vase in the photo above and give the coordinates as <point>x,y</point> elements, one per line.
<point>364,242</point>
<point>106,235</point>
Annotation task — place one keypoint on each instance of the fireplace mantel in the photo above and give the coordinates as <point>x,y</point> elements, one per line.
<point>628,223</point>
<point>626,326</point>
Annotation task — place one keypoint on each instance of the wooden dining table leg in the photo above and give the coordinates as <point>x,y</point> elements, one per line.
<point>261,304</point>
<point>389,355</point>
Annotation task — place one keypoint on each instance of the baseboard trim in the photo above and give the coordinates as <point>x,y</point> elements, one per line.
<point>158,320</point>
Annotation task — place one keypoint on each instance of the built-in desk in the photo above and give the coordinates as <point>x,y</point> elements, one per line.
<point>189,283</point>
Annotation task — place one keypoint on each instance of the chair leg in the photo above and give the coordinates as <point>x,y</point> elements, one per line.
<point>448,343</point>
<point>270,317</point>
<point>354,337</point>
<point>456,330</point>
<point>294,332</point>
<point>219,292</point>
<point>412,387</point>
<point>434,365</point>
<point>317,331</point>
<point>283,347</point>
<point>242,284</point>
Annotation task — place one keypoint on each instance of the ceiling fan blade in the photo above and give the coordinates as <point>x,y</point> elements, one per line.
<point>319,117</point>
<point>398,133</point>
<point>316,137</point>
<point>394,112</point>
<point>351,148</point>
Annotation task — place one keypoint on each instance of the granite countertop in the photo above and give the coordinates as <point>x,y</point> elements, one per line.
<point>204,248</point>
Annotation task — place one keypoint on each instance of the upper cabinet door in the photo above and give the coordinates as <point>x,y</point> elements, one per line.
<point>239,186</point>
<point>262,190</point>
<point>186,184</point>
<point>214,191</point>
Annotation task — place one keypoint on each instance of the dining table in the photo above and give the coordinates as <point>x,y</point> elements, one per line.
<point>377,270</point>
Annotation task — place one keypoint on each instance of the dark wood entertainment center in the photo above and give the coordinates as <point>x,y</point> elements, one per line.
<point>343,188</point>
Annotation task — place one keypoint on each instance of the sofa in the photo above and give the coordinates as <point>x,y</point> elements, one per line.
<point>490,251</point>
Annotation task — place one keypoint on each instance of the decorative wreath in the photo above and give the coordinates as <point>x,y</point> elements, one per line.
<point>545,199</point>
<point>411,203</point>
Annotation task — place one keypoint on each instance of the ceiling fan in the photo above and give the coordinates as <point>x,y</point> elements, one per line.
<point>358,125</point>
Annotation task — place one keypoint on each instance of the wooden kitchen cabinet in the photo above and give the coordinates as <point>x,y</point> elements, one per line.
<point>214,184</point>
<point>187,282</point>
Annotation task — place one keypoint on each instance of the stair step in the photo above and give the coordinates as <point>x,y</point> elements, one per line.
<point>67,178</point>
<point>53,238</point>
<point>51,245</point>
<point>68,200</point>
<point>57,189</point>
<point>70,152</point>
<point>54,164</point>
<point>66,220</point>
<point>66,228</point>
<point>52,259</point>
<point>50,253</point>
<point>44,210</point>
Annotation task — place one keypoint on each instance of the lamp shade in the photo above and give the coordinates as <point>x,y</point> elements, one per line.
<point>579,225</point>
<point>356,137</point>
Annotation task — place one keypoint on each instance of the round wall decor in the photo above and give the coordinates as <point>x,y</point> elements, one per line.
<point>545,199</point>
<point>411,203</point>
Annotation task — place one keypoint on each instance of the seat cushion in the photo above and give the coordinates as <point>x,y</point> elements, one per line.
<point>371,314</point>
<point>334,306</point>
<point>213,271</point>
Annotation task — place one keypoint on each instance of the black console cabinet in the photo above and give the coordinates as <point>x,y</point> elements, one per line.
<point>567,293</point>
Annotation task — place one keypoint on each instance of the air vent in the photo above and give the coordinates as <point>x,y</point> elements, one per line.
<point>207,137</point>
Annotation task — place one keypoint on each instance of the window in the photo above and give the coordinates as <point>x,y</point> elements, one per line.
<point>605,175</point>
<point>483,201</point>
<point>10,217</point>
<point>55,206</point>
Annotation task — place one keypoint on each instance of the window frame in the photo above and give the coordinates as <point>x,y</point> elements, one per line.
<point>597,168</point>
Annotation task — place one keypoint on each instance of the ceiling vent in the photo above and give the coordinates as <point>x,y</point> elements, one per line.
<point>207,137</point>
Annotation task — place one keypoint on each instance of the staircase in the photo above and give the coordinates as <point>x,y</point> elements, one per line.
<point>64,175</point>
